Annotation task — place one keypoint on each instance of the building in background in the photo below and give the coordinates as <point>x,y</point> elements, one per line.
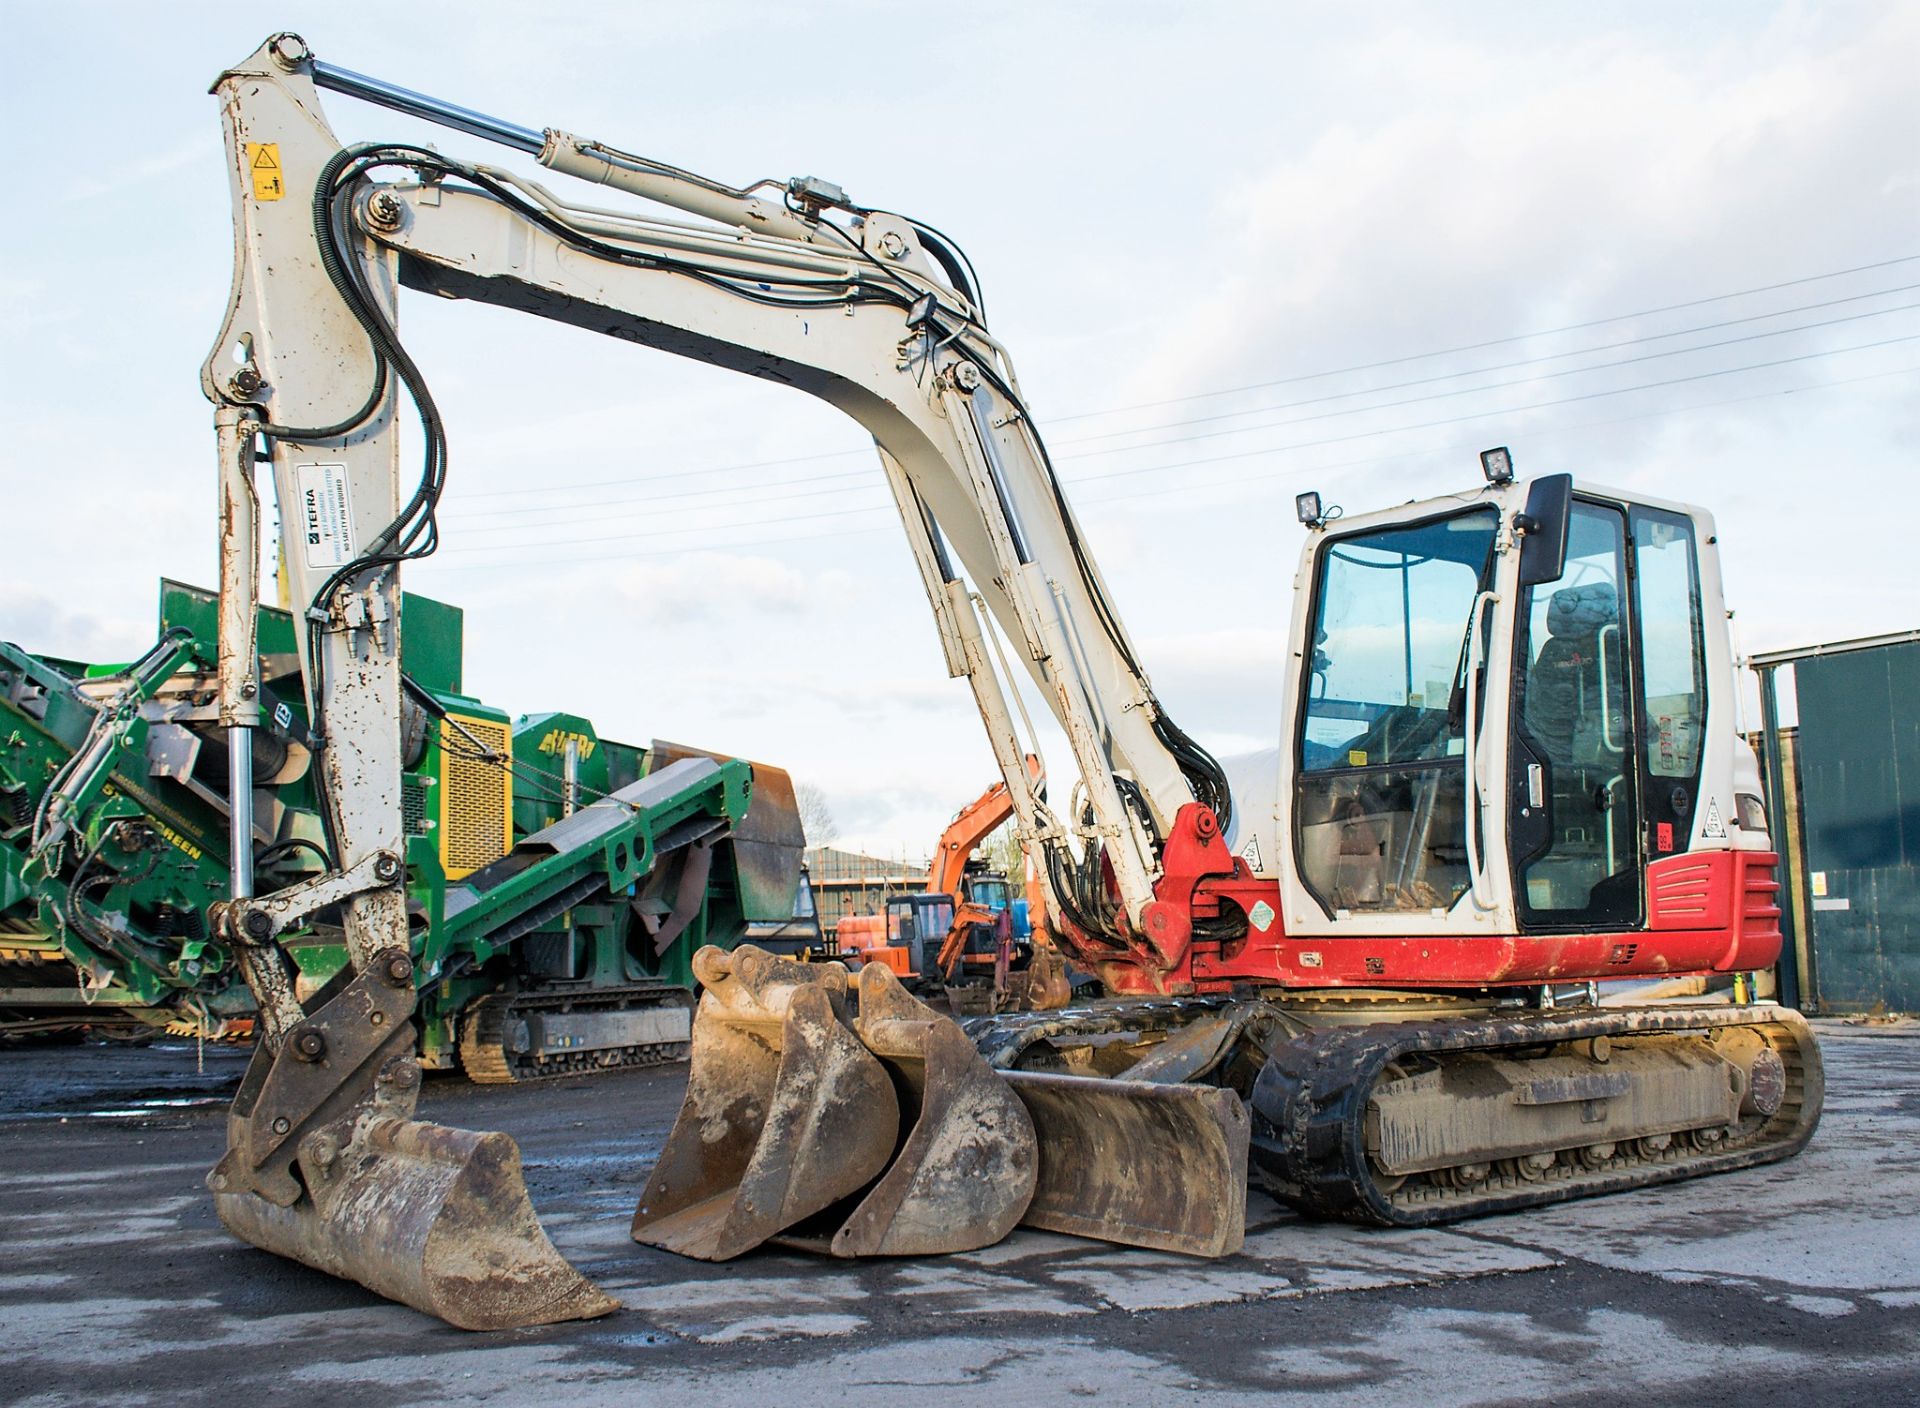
<point>1843,788</point>
<point>847,882</point>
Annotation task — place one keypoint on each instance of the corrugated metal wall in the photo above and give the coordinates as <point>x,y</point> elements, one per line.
<point>1859,775</point>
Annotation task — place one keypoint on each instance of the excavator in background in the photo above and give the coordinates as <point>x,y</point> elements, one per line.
<point>964,936</point>
<point>537,949</point>
<point>1508,769</point>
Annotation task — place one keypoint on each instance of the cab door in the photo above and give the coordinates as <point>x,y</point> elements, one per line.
<point>1575,797</point>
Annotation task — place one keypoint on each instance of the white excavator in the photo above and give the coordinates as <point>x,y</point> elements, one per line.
<point>1364,974</point>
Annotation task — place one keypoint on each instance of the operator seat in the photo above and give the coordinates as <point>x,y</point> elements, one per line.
<point>1568,716</point>
<point>1565,712</point>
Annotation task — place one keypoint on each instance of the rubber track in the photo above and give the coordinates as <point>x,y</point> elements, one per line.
<point>1310,1105</point>
<point>486,1061</point>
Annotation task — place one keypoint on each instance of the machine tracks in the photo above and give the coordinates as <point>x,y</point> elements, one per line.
<point>1408,1124</point>
<point>510,1037</point>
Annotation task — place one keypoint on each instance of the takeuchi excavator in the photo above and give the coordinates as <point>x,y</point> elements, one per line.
<point>1508,770</point>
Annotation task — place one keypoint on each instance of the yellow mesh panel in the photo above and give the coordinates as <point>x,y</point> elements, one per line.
<point>476,795</point>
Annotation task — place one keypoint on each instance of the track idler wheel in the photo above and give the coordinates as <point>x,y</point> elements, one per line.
<point>786,1113</point>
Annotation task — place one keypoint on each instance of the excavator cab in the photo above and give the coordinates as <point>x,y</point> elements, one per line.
<point>989,891</point>
<point>1502,730</point>
<point>917,926</point>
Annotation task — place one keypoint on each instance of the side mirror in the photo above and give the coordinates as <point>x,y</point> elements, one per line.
<point>1543,551</point>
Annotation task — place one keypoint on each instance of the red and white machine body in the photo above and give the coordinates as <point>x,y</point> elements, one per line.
<point>1584,725</point>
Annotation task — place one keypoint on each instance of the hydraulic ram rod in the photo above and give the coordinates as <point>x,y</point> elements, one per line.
<point>392,95</point>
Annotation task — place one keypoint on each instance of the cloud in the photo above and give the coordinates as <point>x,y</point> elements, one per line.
<point>45,626</point>
<point>700,588</point>
<point>1515,186</point>
<point>202,148</point>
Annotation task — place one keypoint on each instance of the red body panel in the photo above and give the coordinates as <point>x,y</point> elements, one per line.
<point>1707,912</point>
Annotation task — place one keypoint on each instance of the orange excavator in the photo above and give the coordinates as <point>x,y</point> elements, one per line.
<point>959,932</point>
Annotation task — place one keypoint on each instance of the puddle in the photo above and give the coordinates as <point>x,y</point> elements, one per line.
<point>135,1108</point>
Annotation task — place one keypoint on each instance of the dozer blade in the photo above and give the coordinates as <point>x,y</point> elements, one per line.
<point>1138,1162</point>
<point>965,1172</point>
<point>786,1112</point>
<point>434,1217</point>
<point>326,1164</point>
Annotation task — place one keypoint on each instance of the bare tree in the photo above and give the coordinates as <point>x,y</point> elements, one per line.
<point>1002,850</point>
<point>816,817</point>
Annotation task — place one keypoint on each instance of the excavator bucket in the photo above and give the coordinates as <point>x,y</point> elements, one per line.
<point>1138,1162</point>
<point>786,1113</point>
<point>326,1164</point>
<point>890,1135</point>
<point>965,1171</point>
<point>434,1217</point>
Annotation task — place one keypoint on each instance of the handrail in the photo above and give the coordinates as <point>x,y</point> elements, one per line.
<point>1606,713</point>
<point>1476,657</point>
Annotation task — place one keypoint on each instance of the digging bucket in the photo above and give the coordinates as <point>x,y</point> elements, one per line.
<point>786,1112</point>
<point>965,1171</point>
<point>434,1217</point>
<point>1138,1162</point>
<point>326,1164</point>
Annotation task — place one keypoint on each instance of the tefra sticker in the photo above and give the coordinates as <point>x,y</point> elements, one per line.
<point>326,514</point>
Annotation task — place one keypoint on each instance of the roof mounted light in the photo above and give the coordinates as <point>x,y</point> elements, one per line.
<point>1307,508</point>
<point>1497,465</point>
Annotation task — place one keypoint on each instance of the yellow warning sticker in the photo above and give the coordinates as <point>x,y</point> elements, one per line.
<point>263,164</point>
<point>1356,757</point>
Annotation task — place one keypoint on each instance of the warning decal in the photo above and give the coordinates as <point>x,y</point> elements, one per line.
<point>1715,829</point>
<point>1250,853</point>
<point>1261,916</point>
<point>326,514</point>
<point>263,165</point>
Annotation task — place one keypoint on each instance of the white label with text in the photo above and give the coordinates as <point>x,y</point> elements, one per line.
<point>326,514</point>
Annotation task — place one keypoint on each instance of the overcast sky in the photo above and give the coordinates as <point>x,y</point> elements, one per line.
<point>1189,219</point>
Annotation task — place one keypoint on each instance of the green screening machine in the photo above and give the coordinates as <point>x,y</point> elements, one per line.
<point>558,882</point>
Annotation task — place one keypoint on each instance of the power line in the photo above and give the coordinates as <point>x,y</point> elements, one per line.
<point>1254,386</point>
<point>653,514</point>
<point>1493,386</point>
<point>1234,456</point>
<point>650,500</point>
<point>1534,361</point>
<point>1498,411</point>
<point>1498,341</point>
<point>1548,434</point>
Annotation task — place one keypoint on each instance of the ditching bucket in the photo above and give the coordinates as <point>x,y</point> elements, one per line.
<point>437,1218</point>
<point>965,1172</point>
<point>786,1113</point>
<point>1138,1162</point>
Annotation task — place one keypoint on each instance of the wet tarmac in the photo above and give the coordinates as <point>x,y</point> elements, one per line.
<point>1795,1284</point>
